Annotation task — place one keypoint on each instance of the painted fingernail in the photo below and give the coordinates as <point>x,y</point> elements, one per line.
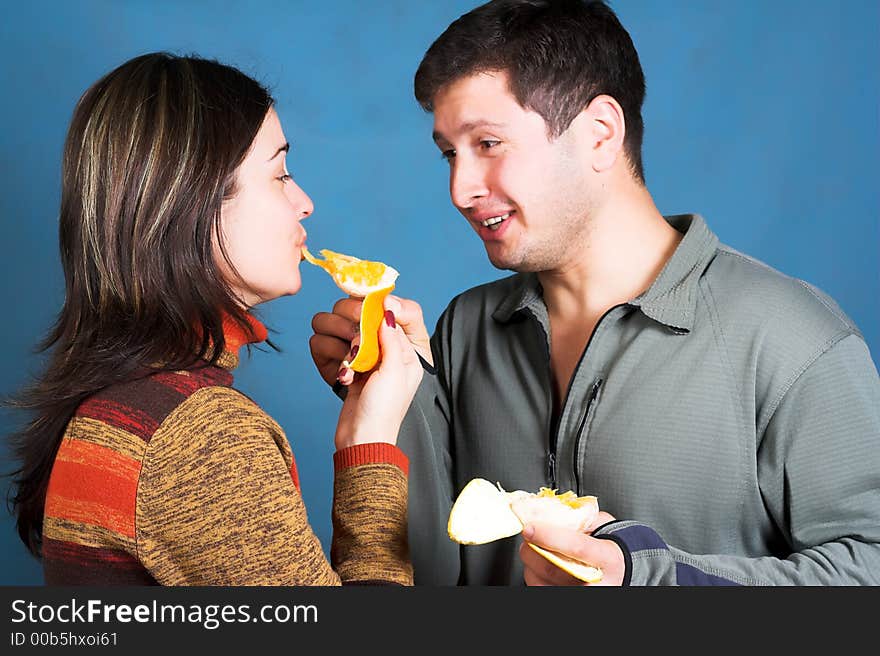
<point>389,319</point>
<point>528,532</point>
<point>346,364</point>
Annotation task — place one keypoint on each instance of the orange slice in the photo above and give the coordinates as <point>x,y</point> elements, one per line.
<point>578,569</point>
<point>484,513</point>
<point>372,281</point>
<point>481,514</point>
<point>568,509</point>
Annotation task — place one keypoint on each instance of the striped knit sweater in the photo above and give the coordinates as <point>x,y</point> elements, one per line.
<point>178,479</point>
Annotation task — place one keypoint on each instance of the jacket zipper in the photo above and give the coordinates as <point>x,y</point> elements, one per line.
<point>551,457</point>
<point>577,441</point>
<point>551,429</point>
<point>551,468</point>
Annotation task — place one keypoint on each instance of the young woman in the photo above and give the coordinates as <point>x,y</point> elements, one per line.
<point>142,464</point>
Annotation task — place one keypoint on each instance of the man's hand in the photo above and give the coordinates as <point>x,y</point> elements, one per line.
<point>335,335</point>
<point>604,554</point>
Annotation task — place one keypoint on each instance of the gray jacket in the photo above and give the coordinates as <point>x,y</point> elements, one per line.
<point>729,417</point>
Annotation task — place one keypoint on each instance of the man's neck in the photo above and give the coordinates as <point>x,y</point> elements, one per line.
<point>626,247</point>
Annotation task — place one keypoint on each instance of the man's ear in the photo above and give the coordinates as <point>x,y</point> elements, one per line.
<point>605,128</point>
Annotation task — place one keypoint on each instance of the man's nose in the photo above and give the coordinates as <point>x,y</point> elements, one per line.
<point>467,182</point>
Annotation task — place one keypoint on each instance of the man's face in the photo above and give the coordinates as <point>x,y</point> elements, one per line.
<point>526,196</point>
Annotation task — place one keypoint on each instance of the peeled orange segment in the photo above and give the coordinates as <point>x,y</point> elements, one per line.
<point>352,275</point>
<point>576,568</point>
<point>372,281</point>
<point>567,510</point>
<point>484,513</point>
<point>481,514</point>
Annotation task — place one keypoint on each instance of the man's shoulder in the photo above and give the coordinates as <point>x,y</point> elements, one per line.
<point>489,294</point>
<point>474,309</point>
<point>749,292</point>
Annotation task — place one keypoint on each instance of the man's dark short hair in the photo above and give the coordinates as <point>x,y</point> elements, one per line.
<point>559,55</point>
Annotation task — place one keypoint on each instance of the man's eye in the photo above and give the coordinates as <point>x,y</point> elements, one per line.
<point>448,154</point>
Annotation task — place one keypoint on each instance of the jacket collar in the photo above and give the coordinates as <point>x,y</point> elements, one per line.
<point>672,297</point>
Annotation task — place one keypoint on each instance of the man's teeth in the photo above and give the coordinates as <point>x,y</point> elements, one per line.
<point>495,220</point>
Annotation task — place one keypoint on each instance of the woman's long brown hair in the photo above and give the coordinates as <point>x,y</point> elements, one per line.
<point>150,155</point>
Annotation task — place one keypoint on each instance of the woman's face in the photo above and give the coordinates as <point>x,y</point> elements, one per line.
<point>261,225</point>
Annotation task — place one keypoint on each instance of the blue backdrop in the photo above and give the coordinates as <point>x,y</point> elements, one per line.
<point>761,116</point>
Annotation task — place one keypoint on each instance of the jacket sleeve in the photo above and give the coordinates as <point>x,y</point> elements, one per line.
<point>819,472</point>
<point>426,436</point>
<point>217,504</point>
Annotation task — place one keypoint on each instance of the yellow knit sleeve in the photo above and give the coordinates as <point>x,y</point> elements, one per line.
<point>369,515</point>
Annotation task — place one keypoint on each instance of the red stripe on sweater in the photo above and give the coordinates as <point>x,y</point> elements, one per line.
<point>209,375</point>
<point>193,379</point>
<point>118,415</point>
<point>93,485</point>
<point>68,563</point>
<point>371,453</point>
<point>181,383</point>
<point>294,474</point>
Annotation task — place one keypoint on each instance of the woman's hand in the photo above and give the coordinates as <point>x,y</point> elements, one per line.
<point>377,401</point>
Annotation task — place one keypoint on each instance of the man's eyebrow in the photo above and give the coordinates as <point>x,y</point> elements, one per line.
<point>285,148</point>
<point>468,127</point>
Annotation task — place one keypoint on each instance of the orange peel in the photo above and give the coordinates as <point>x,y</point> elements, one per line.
<point>484,513</point>
<point>372,281</point>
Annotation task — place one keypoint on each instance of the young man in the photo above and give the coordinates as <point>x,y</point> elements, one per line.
<point>728,416</point>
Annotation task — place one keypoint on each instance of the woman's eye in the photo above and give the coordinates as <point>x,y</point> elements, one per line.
<point>285,178</point>
<point>486,144</point>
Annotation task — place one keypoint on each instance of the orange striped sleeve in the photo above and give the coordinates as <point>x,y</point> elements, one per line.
<point>95,485</point>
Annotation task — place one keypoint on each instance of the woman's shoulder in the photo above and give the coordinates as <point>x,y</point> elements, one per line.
<point>217,435</point>
<point>141,404</point>
<point>222,420</point>
<point>218,409</point>
<point>181,416</point>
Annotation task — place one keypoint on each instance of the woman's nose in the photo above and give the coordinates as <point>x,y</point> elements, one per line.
<point>301,201</point>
